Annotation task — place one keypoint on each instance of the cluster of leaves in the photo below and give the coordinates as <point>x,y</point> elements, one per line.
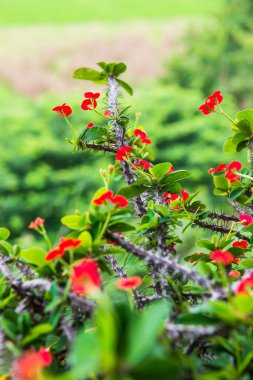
<point>113,300</point>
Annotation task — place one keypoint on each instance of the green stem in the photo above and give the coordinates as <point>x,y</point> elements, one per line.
<point>71,126</point>
<point>244,176</point>
<point>45,235</point>
<point>105,225</point>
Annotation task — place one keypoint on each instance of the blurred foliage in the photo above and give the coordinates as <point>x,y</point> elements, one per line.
<point>219,56</point>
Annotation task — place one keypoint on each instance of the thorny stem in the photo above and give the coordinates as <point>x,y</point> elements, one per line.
<point>250,154</point>
<point>221,229</point>
<point>160,262</point>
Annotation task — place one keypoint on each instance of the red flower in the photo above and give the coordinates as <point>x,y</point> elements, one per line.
<point>146,141</point>
<point>123,152</point>
<point>117,200</point>
<point>120,201</point>
<point>211,171</point>
<point>168,197</point>
<point>245,286</point>
<point>145,164</point>
<point>63,111</point>
<point>29,366</point>
<point>234,165</point>
<point>90,125</point>
<point>129,283</point>
<point>107,113</point>
<point>184,194</point>
<point>92,95</point>
<point>36,223</point>
<point>220,168</point>
<point>246,219</point>
<point>210,103</point>
<point>232,177</point>
<point>68,243</point>
<point>62,247</point>
<point>222,257</point>
<point>234,273</point>
<point>85,278</point>
<point>54,254</point>
<point>139,133</point>
<point>171,169</point>
<point>242,244</point>
<point>107,196</point>
<point>90,102</point>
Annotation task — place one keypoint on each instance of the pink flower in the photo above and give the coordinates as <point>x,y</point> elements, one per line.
<point>234,273</point>
<point>36,223</point>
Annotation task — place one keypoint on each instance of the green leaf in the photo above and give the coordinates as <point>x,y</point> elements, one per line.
<point>103,66</point>
<point>221,182</point>
<point>143,331</point>
<point>245,127</point>
<point>173,188</point>
<point>160,170</point>
<point>175,177</point>
<point>4,233</point>
<point>36,332</point>
<point>6,248</point>
<point>229,146</point>
<point>236,193</point>
<point>205,244</point>
<point>86,238</point>
<point>135,189</point>
<point>126,86</point>
<point>119,68</point>
<point>74,222</point>
<point>85,354</point>
<point>86,73</point>
<point>34,256</point>
<point>246,263</point>
<point>246,114</point>
<point>93,133</point>
<point>219,192</point>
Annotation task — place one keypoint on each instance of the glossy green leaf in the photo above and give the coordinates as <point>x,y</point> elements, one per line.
<point>119,68</point>
<point>221,182</point>
<point>93,133</point>
<point>34,256</point>
<point>4,233</point>
<point>246,114</point>
<point>126,87</point>
<point>36,332</point>
<point>160,170</point>
<point>175,177</point>
<point>86,73</point>
<point>245,127</point>
<point>75,222</point>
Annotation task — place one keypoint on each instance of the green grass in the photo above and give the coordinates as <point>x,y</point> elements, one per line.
<point>16,12</point>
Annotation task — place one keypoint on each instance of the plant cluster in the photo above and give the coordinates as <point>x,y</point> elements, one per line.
<point>113,299</point>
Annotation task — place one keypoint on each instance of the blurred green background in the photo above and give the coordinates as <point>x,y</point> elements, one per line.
<point>177,52</point>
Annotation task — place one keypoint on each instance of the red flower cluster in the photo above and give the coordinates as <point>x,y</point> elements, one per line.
<point>246,219</point>
<point>90,102</point>
<point>241,244</point>
<point>117,200</point>
<point>63,111</point>
<point>129,283</point>
<point>85,277</point>
<point>36,223</point>
<point>90,125</point>
<point>168,197</point>
<point>222,257</point>
<point>211,102</point>
<point>63,246</point>
<point>143,136</point>
<point>245,286</point>
<point>145,165</point>
<point>29,366</point>
<point>123,153</point>
<point>230,169</point>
